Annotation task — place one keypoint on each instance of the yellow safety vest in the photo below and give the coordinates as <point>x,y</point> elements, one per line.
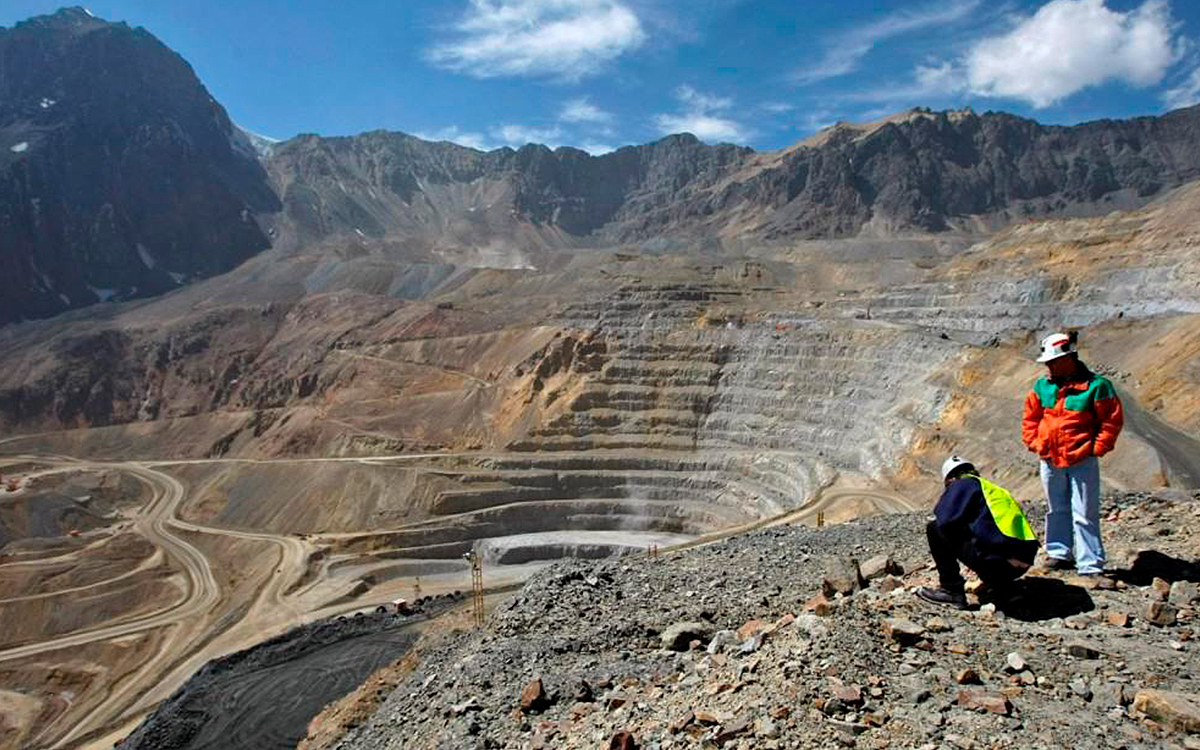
<point>1006,512</point>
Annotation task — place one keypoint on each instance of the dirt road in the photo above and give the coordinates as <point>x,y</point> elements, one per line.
<point>278,603</point>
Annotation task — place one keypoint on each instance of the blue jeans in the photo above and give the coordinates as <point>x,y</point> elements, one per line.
<point>1073,514</point>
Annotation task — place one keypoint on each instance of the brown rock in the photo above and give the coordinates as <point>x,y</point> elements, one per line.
<point>902,630</point>
<point>888,584</point>
<point>678,725</point>
<point>581,709</point>
<point>1159,590</point>
<point>1118,619</point>
<point>819,605</point>
<point>958,648</point>
<point>851,695</point>
<point>751,628</point>
<point>534,698</point>
<point>1178,711</point>
<point>1161,614</point>
<point>615,701</point>
<point>622,741</point>
<point>780,712</point>
<point>937,625</point>
<point>705,717</point>
<point>978,700</point>
<point>967,676</point>
<point>784,621</point>
<point>731,731</point>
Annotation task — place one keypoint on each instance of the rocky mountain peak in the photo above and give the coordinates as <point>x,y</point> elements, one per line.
<point>74,20</point>
<point>120,176</point>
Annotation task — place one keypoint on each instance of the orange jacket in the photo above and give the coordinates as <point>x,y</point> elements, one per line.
<point>1067,422</point>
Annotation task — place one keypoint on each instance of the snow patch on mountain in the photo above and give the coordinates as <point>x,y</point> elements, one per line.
<point>104,295</point>
<point>147,258</point>
<point>251,144</point>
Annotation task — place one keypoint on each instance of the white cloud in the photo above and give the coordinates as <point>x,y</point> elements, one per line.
<point>581,110</point>
<point>929,82</point>
<point>845,51</point>
<point>701,102</point>
<point>1185,94</point>
<point>453,134</point>
<point>1068,45</point>
<point>566,39</point>
<point>519,135</point>
<point>503,135</point>
<point>595,149</point>
<point>704,127</point>
<point>701,117</point>
<point>777,108</point>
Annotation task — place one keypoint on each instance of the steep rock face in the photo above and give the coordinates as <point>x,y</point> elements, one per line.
<point>919,171</point>
<point>119,174</point>
<point>428,196</point>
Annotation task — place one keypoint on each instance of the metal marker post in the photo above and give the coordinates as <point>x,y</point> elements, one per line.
<point>476,587</point>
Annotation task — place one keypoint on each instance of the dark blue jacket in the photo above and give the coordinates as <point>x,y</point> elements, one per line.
<point>962,513</point>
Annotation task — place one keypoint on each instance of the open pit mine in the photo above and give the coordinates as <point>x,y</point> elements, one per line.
<point>379,355</point>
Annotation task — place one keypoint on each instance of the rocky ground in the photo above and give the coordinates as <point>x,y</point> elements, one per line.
<point>770,640</point>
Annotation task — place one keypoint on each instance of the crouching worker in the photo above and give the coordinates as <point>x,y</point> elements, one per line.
<point>980,525</point>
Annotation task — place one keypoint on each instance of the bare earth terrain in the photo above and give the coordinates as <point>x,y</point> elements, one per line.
<point>674,400</point>
<point>379,353</point>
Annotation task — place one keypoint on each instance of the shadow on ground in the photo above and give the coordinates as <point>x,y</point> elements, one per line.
<point>1037,598</point>
<point>1151,564</point>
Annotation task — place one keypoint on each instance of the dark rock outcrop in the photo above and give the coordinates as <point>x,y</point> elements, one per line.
<point>120,177</point>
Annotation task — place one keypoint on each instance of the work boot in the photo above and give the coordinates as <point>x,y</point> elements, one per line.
<point>939,595</point>
<point>1058,563</point>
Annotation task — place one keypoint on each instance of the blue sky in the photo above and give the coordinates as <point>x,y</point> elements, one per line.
<point>603,73</point>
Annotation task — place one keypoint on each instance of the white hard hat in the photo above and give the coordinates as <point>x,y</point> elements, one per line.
<point>952,463</point>
<point>1056,345</point>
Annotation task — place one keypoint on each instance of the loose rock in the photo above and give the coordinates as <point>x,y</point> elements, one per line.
<point>534,698</point>
<point>1161,614</point>
<point>679,636</point>
<point>1178,711</point>
<point>902,630</point>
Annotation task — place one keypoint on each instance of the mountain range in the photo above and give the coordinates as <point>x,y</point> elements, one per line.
<point>122,178</point>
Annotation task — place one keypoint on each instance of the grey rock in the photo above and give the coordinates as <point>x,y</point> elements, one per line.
<point>879,566</point>
<point>1015,663</point>
<point>1080,687</point>
<point>1082,650</point>
<point>679,636</point>
<point>842,576</point>
<point>1184,592</point>
<point>721,641</point>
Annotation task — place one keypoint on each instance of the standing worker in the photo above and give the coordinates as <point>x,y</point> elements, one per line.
<point>979,524</point>
<point>1072,417</point>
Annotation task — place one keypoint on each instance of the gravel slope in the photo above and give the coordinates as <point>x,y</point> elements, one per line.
<point>593,634</point>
